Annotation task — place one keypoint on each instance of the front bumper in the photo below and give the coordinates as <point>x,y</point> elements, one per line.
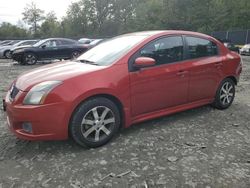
<point>244,52</point>
<point>17,57</point>
<point>48,121</point>
<point>1,54</point>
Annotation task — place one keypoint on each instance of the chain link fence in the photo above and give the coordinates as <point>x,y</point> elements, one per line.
<point>240,37</point>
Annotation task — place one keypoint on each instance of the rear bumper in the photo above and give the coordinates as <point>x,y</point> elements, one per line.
<point>48,121</point>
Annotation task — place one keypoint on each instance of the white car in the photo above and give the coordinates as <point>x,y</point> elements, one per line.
<point>245,50</point>
<point>85,40</point>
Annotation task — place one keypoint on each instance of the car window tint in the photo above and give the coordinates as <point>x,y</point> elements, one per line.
<point>165,50</point>
<point>27,43</point>
<point>50,44</point>
<point>67,42</point>
<point>198,47</point>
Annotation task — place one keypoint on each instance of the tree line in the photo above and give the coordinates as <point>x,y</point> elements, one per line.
<point>105,18</point>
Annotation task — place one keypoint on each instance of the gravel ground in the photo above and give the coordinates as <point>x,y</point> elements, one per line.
<point>203,147</point>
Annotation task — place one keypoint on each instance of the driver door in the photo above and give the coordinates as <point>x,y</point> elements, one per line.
<point>49,50</point>
<point>163,85</point>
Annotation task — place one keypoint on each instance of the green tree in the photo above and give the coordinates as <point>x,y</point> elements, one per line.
<point>50,27</point>
<point>32,16</point>
<point>8,30</point>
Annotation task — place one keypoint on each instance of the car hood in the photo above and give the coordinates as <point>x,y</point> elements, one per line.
<point>5,47</point>
<point>20,47</point>
<point>58,71</point>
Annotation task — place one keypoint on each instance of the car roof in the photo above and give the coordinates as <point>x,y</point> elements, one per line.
<point>168,32</point>
<point>59,39</point>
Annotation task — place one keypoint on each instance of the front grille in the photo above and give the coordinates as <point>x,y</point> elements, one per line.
<point>13,92</point>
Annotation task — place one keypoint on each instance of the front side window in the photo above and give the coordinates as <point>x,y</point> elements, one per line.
<point>50,44</point>
<point>198,47</point>
<point>165,50</point>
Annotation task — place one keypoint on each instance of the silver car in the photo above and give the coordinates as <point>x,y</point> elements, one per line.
<point>5,51</point>
<point>245,50</point>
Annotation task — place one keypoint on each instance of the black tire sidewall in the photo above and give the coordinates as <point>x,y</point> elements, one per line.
<point>81,110</point>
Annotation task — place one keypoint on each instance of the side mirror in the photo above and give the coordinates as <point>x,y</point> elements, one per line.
<point>43,46</point>
<point>142,62</point>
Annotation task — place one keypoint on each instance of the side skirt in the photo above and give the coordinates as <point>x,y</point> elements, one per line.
<point>171,110</point>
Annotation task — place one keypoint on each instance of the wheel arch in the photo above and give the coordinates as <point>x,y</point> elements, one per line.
<point>233,78</point>
<point>6,50</point>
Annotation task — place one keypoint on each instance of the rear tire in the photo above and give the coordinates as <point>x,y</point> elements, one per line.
<point>225,94</point>
<point>75,55</point>
<point>95,122</point>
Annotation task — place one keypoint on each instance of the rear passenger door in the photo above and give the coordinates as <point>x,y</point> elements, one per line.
<point>205,68</point>
<point>65,48</point>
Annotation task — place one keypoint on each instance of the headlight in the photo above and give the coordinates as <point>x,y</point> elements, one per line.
<point>38,93</point>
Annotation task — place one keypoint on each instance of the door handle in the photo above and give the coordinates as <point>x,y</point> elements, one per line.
<point>182,73</point>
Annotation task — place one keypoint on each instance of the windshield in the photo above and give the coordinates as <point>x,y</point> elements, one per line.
<point>19,43</point>
<point>108,52</point>
<point>39,43</point>
<point>13,42</point>
<point>95,41</point>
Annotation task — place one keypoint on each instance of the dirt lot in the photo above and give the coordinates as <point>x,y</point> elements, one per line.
<point>203,147</point>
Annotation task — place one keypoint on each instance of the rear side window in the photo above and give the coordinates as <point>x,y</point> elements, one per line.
<point>164,50</point>
<point>198,47</point>
<point>67,42</point>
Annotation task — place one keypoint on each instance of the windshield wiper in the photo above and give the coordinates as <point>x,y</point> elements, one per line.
<point>87,62</point>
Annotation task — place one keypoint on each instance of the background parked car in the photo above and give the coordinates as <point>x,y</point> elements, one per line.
<point>12,42</point>
<point>245,50</point>
<point>231,46</point>
<point>85,40</point>
<point>5,51</point>
<point>47,49</point>
<point>4,42</point>
<point>94,42</point>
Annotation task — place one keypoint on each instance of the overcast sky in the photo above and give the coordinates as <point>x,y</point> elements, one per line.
<point>11,10</point>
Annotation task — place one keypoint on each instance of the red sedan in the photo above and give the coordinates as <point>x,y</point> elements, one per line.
<point>125,80</point>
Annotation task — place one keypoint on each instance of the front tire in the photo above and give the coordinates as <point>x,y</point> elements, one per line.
<point>7,54</point>
<point>95,122</point>
<point>29,59</point>
<point>225,94</point>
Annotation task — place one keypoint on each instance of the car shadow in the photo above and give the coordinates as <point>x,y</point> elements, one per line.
<point>31,148</point>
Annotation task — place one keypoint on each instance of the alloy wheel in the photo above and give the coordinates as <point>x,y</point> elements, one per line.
<point>226,93</point>
<point>98,123</point>
<point>8,54</point>
<point>30,59</point>
<point>75,55</point>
